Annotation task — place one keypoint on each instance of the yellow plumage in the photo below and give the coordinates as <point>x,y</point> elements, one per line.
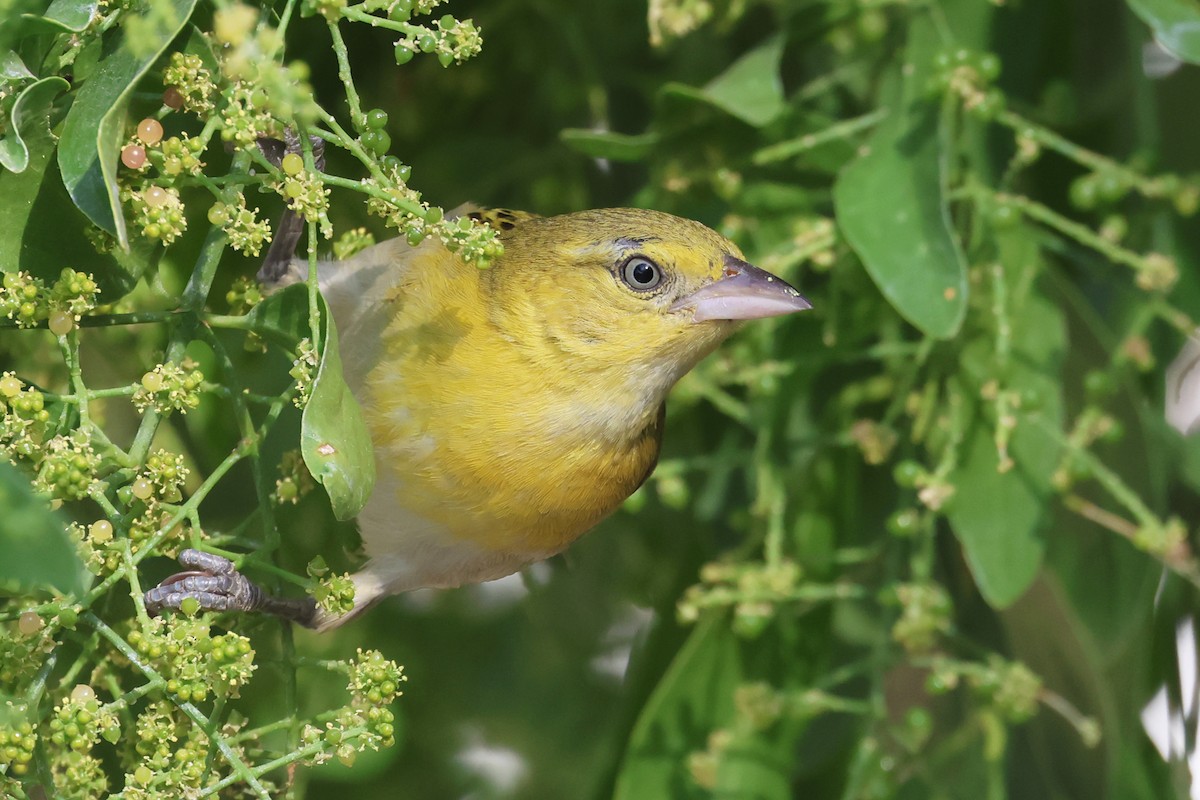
<point>513,408</point>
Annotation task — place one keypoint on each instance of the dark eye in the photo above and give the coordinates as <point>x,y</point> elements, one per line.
<point>641,274</point>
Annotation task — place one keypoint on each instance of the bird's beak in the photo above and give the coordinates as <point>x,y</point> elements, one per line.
<point>745,292</point>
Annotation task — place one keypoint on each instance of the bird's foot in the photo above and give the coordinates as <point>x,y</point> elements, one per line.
<point>216,585</point>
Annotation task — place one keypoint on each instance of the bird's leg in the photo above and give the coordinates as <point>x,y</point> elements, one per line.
<point>291,225</point>
<point>216,585</point>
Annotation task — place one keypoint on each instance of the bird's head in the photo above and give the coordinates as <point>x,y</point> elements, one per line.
<point>629,292</point>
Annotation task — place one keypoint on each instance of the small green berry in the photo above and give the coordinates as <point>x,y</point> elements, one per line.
<point>292,164</point>
<point>904,523</point>
<point>152,382</point>
<point>377,141</point>
<point>1084,192</point>
<point>142,488</point>
<point>60,322</point>
<point>101,531</point>
<point>377,119</point>
<point>908,473</point>
<point>10,386</point>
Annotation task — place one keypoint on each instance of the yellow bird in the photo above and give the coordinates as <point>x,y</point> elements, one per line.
<point>511,409</point>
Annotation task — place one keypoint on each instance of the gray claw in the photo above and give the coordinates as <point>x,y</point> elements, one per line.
<point>214,582</point>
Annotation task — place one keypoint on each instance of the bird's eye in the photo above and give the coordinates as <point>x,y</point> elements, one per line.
<point>641,274</point>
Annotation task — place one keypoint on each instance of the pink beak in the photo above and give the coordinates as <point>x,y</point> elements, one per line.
<point>745,292</point>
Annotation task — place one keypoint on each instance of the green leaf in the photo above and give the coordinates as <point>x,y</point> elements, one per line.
<point>1000,518</point>
<point>333,435</point>
<point>41,231</point>
<point>610,145</point>
<point>66,15</point>
<point>95,126</point>
<point>30,118</point>
<point>282,316</point>
<point>12,68</point>
<point>751,89</point>
<point>891,203</point>
<point>1176,25</point>
<point>694,698</point>
<point>38,553</point>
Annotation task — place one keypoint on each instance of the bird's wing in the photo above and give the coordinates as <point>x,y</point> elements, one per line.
<point>356,289</point>
<point>357,292</point>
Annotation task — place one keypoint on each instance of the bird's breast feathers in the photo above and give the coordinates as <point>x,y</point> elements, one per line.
<point>494,445</point>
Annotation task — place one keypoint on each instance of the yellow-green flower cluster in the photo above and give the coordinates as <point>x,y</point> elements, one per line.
<point>101,552</point>
<point>23,419</point>
<point>80,721</point>
<point>671,19</point>
<point>306,195</point>
<point>366,722</point>
<point>157,210</point>
<point>78,776</point>
<point>454,41</point>
<point>753,590</point>
<point>168,387</point>
<point>26,300</point>
<point>192,80</point>
<point>174,755</point>
<point>352,242</point>
<point>159,481</point>
<point>181,156</point>
<point>926,616</point>
<point>247,233</point>
<point>244,117</point>
<point>304,370</point>
<point>68,467</point>
<point>294,480</point>
<point>165,470</point>
<point>17,743</point>
<point>474,243</point>
<point>21,299</point>
<point>335,594</point>
<point>195,662</point>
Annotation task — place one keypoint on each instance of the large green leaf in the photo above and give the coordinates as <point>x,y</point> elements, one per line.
<point>282,316</point>
<point>72,16</point>
<point>12,68</point>
<point>38,553</point>
<point>95,127</point>
<point>693,698</point>
<point>999,517</point>
<point>41,231</point>
<point>891,202</point>
<point>334,438</point>
<point>750,89</point>
<point>1176,25</point>
<point>29,118</point>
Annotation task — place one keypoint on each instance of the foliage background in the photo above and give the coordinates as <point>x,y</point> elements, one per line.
<point>782,450</point>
